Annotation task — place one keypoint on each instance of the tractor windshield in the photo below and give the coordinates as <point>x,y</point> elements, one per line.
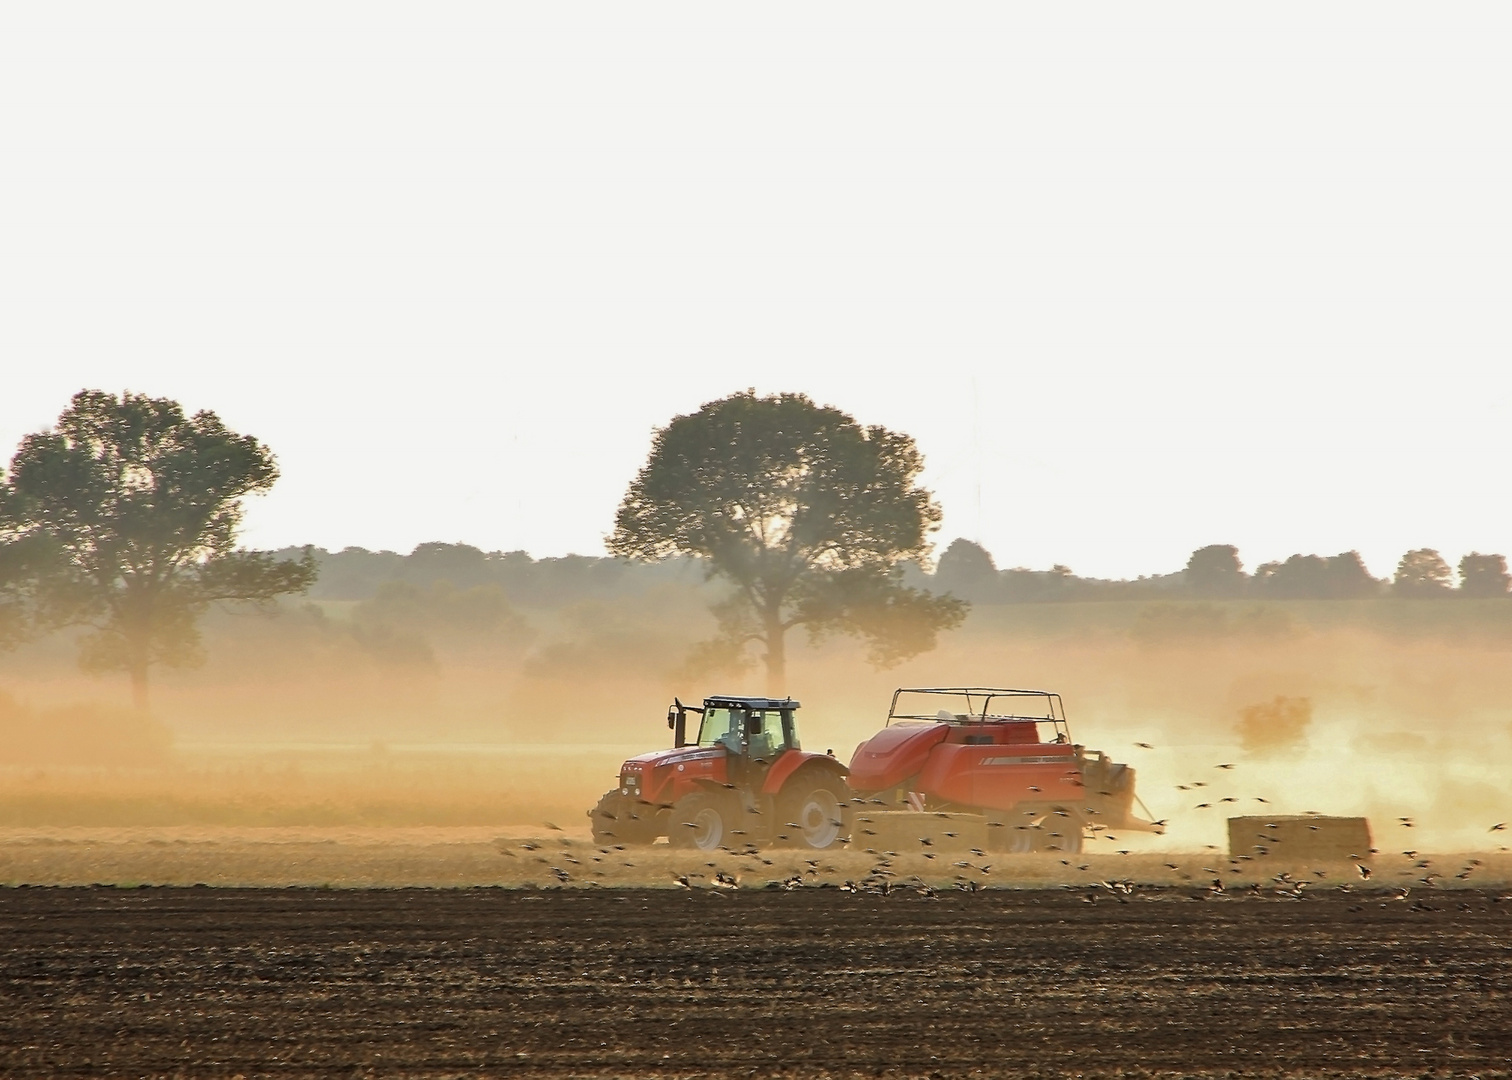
<point>721,727</point>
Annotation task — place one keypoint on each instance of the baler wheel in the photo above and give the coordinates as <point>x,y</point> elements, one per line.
<point>1026,830</point>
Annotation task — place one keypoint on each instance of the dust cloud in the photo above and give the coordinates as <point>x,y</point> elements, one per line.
<point>364,723</point>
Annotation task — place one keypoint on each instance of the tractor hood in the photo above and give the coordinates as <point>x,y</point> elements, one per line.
<point>647,762</point>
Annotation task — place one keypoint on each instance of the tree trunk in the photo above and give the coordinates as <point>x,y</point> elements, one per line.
<point>138,672</point>
<point>776,657</point>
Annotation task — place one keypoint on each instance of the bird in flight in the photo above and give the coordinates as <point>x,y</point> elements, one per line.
<point>1498,827</point>
<point>1144,746</point>
<point>1227,766</point>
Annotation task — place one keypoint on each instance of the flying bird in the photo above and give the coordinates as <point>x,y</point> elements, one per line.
<point>1228,766</point>
<point>1144,746</point>
<point>1498,827</point>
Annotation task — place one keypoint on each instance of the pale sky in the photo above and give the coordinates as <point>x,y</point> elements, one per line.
<point>1137,277</point>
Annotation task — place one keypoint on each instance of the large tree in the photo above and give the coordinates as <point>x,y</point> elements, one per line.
<point>132,509</point>
<point>807,515</point>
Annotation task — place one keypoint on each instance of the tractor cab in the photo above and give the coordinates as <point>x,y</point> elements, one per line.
<point>757,729</point>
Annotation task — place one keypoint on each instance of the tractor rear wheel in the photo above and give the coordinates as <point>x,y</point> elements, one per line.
<point>700,821</point>
<point>620,820</point>
<point>811,811</point>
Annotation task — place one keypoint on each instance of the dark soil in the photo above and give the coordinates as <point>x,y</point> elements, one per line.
<point>813,982</point>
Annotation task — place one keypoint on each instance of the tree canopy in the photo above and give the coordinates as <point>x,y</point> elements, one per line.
<point>124,516</point>
<point>1422,573</point>
<point>966,570</point>
<point>1484,575</point>
<point>1215,570</point>
<point>1314,577</point>
<point>807,515</point>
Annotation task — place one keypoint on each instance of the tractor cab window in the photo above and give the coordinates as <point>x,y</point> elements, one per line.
<point>772,731</point>
<point>767,741</point>
<point>721,727</point>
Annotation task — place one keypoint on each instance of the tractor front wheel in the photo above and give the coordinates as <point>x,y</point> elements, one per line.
<point>620,820</point>
<point>811,812</point>
<point>700,821</point>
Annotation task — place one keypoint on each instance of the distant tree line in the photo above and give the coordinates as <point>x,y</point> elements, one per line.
<point>965,570</point>
<point>122,519</point>
<point>356,573</point>
<point>1215,572</point>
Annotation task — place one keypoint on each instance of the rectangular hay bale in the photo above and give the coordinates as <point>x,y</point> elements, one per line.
<point>1299,836</point>
<point>905,831</point>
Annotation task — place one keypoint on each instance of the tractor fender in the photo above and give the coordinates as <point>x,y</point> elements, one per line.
<point>789,763</point>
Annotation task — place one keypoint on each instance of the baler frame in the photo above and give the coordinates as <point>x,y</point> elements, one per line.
<point>1055,709</point>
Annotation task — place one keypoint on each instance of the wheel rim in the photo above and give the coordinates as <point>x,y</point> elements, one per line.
<point>708,829</point>
<point>1023,839</point>
<point>819,821</point>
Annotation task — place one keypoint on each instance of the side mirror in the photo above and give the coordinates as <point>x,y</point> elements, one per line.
<point>671,718</point>
<point>677,720</point>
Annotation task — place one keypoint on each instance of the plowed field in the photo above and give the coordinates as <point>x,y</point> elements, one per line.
<point>809,982</point>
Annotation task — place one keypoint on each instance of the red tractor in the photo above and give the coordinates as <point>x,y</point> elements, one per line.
<point>743,781</point>
<point>1006,755</point>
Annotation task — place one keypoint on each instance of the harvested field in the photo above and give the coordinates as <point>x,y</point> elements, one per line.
<point>812,982</point>
<point>350,857</point>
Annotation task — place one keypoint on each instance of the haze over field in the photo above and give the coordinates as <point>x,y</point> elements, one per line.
<point>428,705</point>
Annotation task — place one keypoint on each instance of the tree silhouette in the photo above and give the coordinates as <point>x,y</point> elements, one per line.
<point>137,506</point>
<point>966,570</point>
<point>18,589</point>
<point>804,512</point>
<point>1422,574</point>
<point>1484,575</point>
<point>1215,571</point>
<point>1312,577</point>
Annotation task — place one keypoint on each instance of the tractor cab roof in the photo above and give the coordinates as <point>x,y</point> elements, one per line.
<point>722,701</point>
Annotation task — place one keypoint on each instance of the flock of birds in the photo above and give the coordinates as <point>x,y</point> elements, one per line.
<point>886,876</point>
